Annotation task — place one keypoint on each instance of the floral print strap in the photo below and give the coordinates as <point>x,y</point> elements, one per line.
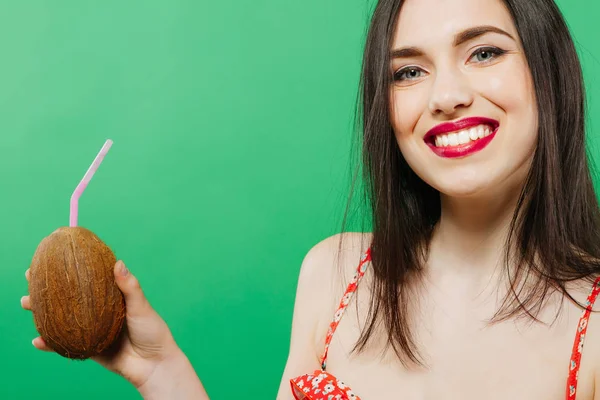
<point>360,272</point>
<point>579,340</point>
<point>320,384</point>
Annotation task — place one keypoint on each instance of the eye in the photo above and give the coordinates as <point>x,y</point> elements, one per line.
<point>408,73</point>
<point>486,54</point>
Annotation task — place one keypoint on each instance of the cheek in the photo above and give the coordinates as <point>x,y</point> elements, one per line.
<point>511,89</point>
<point>406,109</point>
<point>495,84</point>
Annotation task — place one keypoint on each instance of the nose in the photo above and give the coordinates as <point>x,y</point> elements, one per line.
<point>450,92</point>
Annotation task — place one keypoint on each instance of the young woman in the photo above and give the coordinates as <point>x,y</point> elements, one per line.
<point>479,275</point>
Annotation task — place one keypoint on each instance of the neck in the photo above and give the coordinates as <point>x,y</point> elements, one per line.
<point>469,240</point>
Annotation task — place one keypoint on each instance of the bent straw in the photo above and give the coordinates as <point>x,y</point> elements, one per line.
<point>84,182</point>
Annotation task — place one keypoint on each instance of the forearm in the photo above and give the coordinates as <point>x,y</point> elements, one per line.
<point>175,379</point>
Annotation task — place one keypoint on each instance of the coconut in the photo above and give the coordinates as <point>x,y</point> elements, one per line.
<point>77,307</point>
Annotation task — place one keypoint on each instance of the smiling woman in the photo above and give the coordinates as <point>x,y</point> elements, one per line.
<point>483,265</point>
<point>476,75</point>
<point>485,220</point>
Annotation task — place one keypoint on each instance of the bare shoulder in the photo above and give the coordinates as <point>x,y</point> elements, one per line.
<point>334,260</point>
<point>325,270</point>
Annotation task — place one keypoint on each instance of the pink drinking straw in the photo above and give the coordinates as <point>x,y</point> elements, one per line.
<point>84,182</point>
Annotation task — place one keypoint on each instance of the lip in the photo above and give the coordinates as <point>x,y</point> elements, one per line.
<point>461,150</point>
<point>454,126</point>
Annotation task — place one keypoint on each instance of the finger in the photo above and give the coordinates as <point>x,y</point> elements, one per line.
<point>26,302</point>
<point>28,274</point>
<point>134,297</point>
<point>40,344</point>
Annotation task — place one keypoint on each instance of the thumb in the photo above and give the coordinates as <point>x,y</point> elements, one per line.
<point>135,301</point>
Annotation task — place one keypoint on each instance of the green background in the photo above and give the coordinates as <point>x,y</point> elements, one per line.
<point>232,124</point>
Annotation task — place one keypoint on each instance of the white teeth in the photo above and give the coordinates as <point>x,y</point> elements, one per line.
<point>463,137</point>
<point>453,139</point>
<point>473,134</point>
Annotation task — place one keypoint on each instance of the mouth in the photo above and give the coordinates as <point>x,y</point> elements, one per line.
<point>461,138</point>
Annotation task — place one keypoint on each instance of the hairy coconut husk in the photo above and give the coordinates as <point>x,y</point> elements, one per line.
<point>77,307</point>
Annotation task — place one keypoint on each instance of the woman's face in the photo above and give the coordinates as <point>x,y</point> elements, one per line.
<point>462,100</point>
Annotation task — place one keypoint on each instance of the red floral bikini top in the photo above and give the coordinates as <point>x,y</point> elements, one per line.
<point>321,385</point>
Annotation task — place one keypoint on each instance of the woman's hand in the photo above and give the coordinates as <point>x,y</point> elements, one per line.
<point>147,355</point>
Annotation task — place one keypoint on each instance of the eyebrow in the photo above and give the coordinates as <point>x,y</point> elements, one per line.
<point>460,38</point>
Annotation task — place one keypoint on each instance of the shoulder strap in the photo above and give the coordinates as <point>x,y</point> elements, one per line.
<point>360,272</point>
<point>579,341</point>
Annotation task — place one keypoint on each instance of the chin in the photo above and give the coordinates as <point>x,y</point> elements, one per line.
<point>465,184</point>
<point>464,190</point>
<point>479,186</point>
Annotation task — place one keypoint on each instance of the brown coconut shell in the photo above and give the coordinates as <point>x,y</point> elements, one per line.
<point>77,307</point>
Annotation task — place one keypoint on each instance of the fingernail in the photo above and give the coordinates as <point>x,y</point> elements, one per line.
<point>123,269</point>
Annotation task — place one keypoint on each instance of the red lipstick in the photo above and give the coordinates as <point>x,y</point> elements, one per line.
<point>461,150</point>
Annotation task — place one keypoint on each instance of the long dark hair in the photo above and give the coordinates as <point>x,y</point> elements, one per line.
<point>554,235</point>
